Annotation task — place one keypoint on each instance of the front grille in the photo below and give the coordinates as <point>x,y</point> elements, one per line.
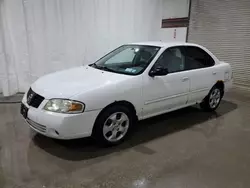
<point>33,99</point>
<point>36,126</point>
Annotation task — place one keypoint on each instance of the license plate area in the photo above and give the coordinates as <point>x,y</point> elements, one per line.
<point>24,111</point>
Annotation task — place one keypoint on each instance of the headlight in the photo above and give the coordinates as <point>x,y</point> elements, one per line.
<point>64,106</point>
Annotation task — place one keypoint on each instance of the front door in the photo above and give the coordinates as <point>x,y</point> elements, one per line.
<point>163,93</point>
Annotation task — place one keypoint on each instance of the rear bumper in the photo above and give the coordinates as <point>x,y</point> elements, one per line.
<point>228,85</point>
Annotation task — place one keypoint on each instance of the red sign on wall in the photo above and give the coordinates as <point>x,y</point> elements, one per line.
<point>175,22</point>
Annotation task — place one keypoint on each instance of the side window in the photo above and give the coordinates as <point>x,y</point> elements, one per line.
<point>172,59</point>
<point>197,58</point>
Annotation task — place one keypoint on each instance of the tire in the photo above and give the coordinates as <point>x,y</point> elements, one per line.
<point>113,125</point>
<point>213,99</point>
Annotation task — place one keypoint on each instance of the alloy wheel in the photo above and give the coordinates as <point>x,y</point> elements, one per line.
<point>214,98</point>
<point>116,126</point>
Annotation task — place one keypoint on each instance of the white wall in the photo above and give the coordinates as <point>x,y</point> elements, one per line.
<point>173,34</point>
<point>174,9</point>
<point>42,36</point>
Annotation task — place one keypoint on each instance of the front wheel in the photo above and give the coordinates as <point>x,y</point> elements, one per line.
<point>113,125</point>
<point>212,101</point>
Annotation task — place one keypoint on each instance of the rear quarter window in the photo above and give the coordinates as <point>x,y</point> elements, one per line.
<point>197,58</point>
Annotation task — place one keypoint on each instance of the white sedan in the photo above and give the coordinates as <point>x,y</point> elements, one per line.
<point>133,82</point>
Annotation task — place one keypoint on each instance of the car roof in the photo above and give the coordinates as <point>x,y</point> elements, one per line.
<point>164,44</point>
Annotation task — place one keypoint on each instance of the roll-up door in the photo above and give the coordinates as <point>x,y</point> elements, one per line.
<point>223,26</point>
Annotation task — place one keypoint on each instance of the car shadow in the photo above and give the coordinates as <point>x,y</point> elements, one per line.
<point>145,131</point>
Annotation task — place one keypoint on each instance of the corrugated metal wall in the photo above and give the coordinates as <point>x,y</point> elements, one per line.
<point>224,28</point>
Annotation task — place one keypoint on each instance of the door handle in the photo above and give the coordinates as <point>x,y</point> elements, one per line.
<point>214,73</point>
<point>185,79</point>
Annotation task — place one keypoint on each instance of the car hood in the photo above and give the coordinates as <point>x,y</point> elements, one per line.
<point>67,83</point>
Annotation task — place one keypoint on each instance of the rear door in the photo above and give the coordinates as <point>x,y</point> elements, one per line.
<point>200,66</point>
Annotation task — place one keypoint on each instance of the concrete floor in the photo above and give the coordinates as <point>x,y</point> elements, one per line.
<point>186,148</point>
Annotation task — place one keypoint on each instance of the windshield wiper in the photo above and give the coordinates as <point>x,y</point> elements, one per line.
<point>94,65</point>
<point>102,68</point>
<point>107,69</point>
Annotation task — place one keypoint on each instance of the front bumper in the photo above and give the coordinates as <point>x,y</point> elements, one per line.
<point>60,126</point>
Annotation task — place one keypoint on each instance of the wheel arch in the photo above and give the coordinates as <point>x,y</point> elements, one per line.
<point>220,84</point>
<point>125,103</point>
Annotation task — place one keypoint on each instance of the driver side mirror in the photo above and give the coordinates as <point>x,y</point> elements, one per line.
<point>158,71</point>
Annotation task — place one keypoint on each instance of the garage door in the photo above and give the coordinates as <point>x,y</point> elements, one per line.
<point>224,28</point>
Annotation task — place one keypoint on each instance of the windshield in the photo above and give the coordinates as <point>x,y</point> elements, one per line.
<point>127,59</point>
